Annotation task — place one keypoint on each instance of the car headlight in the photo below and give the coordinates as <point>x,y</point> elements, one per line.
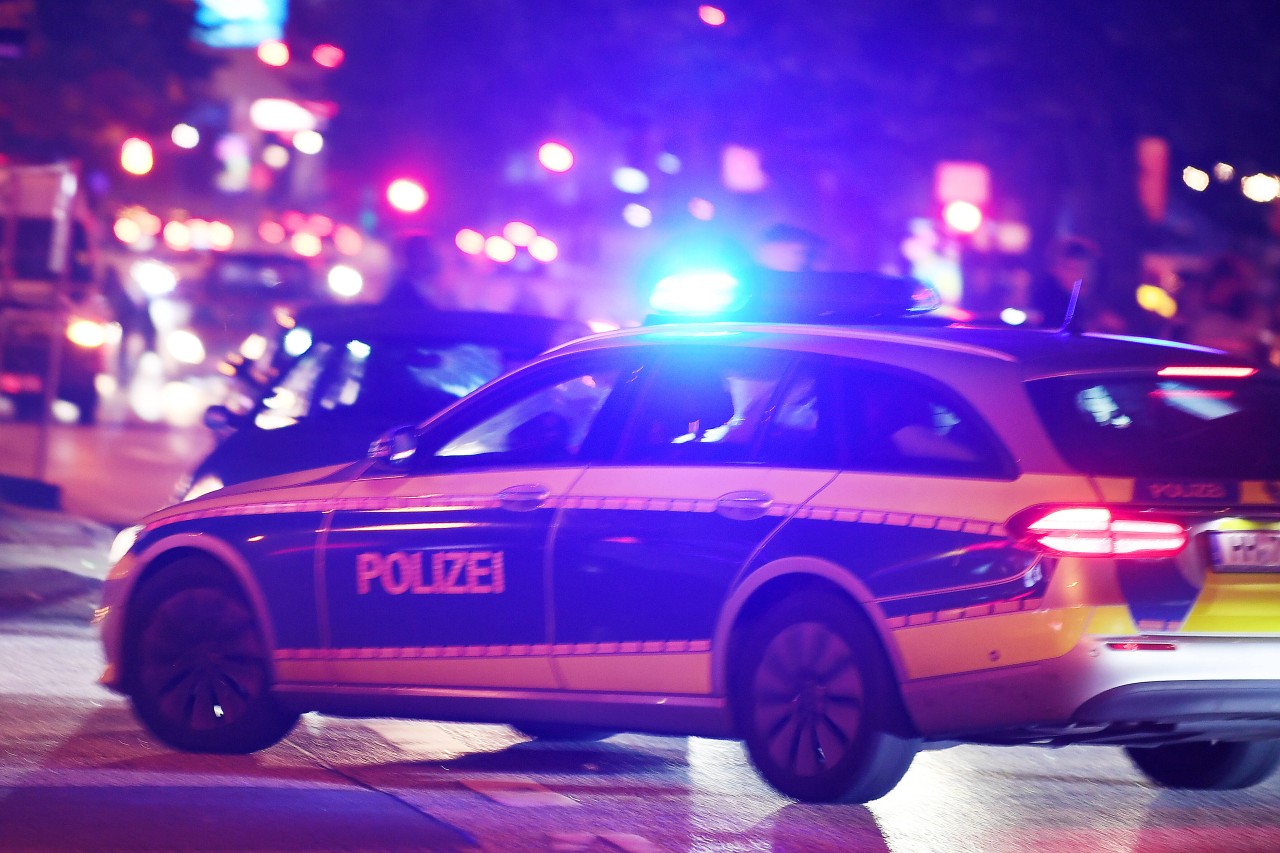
<point>203,486</point>
<point>122,543</point>
<point>88,334</point>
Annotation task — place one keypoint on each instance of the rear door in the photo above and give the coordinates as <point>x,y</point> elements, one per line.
<point>650,542</point>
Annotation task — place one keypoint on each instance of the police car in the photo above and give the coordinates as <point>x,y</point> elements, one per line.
<point>837,542</point>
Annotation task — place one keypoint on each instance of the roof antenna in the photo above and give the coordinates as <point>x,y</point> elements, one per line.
<point>1070,324</point>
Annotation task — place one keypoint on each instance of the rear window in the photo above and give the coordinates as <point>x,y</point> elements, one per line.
<point>1134,426</point>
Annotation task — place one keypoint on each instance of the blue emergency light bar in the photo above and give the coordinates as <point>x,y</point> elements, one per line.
<point>772,296</point>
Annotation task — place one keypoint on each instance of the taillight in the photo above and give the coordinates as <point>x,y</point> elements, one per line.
<point>1096,531</point>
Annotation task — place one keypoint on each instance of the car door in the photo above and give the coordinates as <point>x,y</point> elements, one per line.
<point>650,541</point>
<point>435,575</point>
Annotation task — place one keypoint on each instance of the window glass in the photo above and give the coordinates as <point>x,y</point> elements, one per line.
<point>897,423</point>
<point>704,405</point>
<point>547,421</point>
<point>1147,426</point>
<point>389,382</point>
<point>801,432</point>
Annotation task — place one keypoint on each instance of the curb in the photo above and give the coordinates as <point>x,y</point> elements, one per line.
<point>27,491</point>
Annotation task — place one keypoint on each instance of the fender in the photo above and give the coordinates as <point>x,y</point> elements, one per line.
<point>797,566</point>
<point>126,575</point>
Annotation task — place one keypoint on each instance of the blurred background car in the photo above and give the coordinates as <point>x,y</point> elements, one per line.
<point>340,376</point>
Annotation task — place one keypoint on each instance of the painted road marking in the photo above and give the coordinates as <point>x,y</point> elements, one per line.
<point>518,793</point>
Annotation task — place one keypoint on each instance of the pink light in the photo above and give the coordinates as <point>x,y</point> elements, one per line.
<point>544,249</point>
<point>136,156</point>
<point>177,236</point>
<point>307,245</point>
<point>469,241</point>
<point>700,208</point>
<point>271,232</point>
<point>963,216</point>
<point>711,15</point>
<point>348,240</point>
<point>519,233</point>
<point>328,55</point>
<point>499,249</point>
<point>555,157</point>
<point>406,196</point>
<point>126,230</point>
<point>221,236</point>
<point>150,223</point>
<point>1209,372</point>
<point>274,53</point>
<point>320,225</point>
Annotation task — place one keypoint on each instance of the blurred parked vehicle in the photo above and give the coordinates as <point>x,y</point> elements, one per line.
<point>54,324</point>
<point>336,379</point>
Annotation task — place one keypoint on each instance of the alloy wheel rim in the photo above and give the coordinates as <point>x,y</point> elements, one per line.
<point>809,699</point>
<point>202,660</point>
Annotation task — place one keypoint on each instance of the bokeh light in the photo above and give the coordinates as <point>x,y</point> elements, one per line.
<point>555,157</point>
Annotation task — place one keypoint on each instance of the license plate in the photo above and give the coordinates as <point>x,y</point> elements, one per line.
<point>1245,550</point>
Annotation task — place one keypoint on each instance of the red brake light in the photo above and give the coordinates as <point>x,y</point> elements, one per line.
<point>1211,372</point>
<point>1094,531</point>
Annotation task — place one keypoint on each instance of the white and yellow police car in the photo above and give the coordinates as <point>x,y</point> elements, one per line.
<point>838,543</point>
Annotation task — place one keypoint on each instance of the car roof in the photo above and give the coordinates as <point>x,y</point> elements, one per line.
<point>379,322</point>
<point>1036,353</point>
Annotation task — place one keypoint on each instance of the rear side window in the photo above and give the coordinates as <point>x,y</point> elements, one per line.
<point>1147,426</point>
<point>834,413</point>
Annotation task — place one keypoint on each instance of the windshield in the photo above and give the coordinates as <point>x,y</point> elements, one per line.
<point>393,382</point>
<point>1128,426</point>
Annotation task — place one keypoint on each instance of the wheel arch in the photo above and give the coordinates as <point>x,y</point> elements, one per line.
<point>158,556</point>
<point>770,583</point>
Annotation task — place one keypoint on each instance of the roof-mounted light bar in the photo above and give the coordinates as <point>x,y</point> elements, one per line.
<point>771,296</point>
<point>1207,372</point>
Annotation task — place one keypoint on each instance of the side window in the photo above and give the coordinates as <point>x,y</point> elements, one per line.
<point>704,405</point>
<point>897,424</point>
<point>802,430</point>
<point>541,420</point>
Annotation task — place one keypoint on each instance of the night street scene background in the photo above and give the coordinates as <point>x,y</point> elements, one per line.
<point>557,158</point>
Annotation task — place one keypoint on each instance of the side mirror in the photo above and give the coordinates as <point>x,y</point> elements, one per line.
<point>219,418</point>
<point>395,447</point>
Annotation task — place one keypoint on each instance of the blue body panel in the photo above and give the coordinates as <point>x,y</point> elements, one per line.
<point>623,575</point>
<point>915,570</point>
<point>279,550</point>
<point>411,578</point>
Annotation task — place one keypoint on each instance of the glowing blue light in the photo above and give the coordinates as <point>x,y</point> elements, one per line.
<point>697,292</point>
<point>297,341</point>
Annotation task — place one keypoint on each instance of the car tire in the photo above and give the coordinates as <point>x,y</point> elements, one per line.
<point>815,702</point>
<point>198,667</point>
<point>1207,766</point>
<point>562,732</point>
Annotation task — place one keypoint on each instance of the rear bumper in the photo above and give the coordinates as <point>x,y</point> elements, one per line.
<point>1203,684</point>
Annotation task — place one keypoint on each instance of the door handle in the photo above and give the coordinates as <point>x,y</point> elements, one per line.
<point>744,506</point>
<point>523,498</point>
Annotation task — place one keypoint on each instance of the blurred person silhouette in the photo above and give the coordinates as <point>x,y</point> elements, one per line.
<point>1071,259</point>
<point>137,330</point>
<point>416,283</point>
<point>790,248</point>
<point>1231,315</point>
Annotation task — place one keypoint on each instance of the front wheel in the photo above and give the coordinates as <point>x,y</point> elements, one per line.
<point>816,704</point>
<point>199,668</point>
<point>1207,766</point>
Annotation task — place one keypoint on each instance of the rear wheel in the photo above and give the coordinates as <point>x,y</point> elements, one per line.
<point>1208,766</point>
<point>816,704</point>
<point>199,668</point>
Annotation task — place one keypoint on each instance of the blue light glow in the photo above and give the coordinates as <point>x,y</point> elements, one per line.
<point>695,292</point>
